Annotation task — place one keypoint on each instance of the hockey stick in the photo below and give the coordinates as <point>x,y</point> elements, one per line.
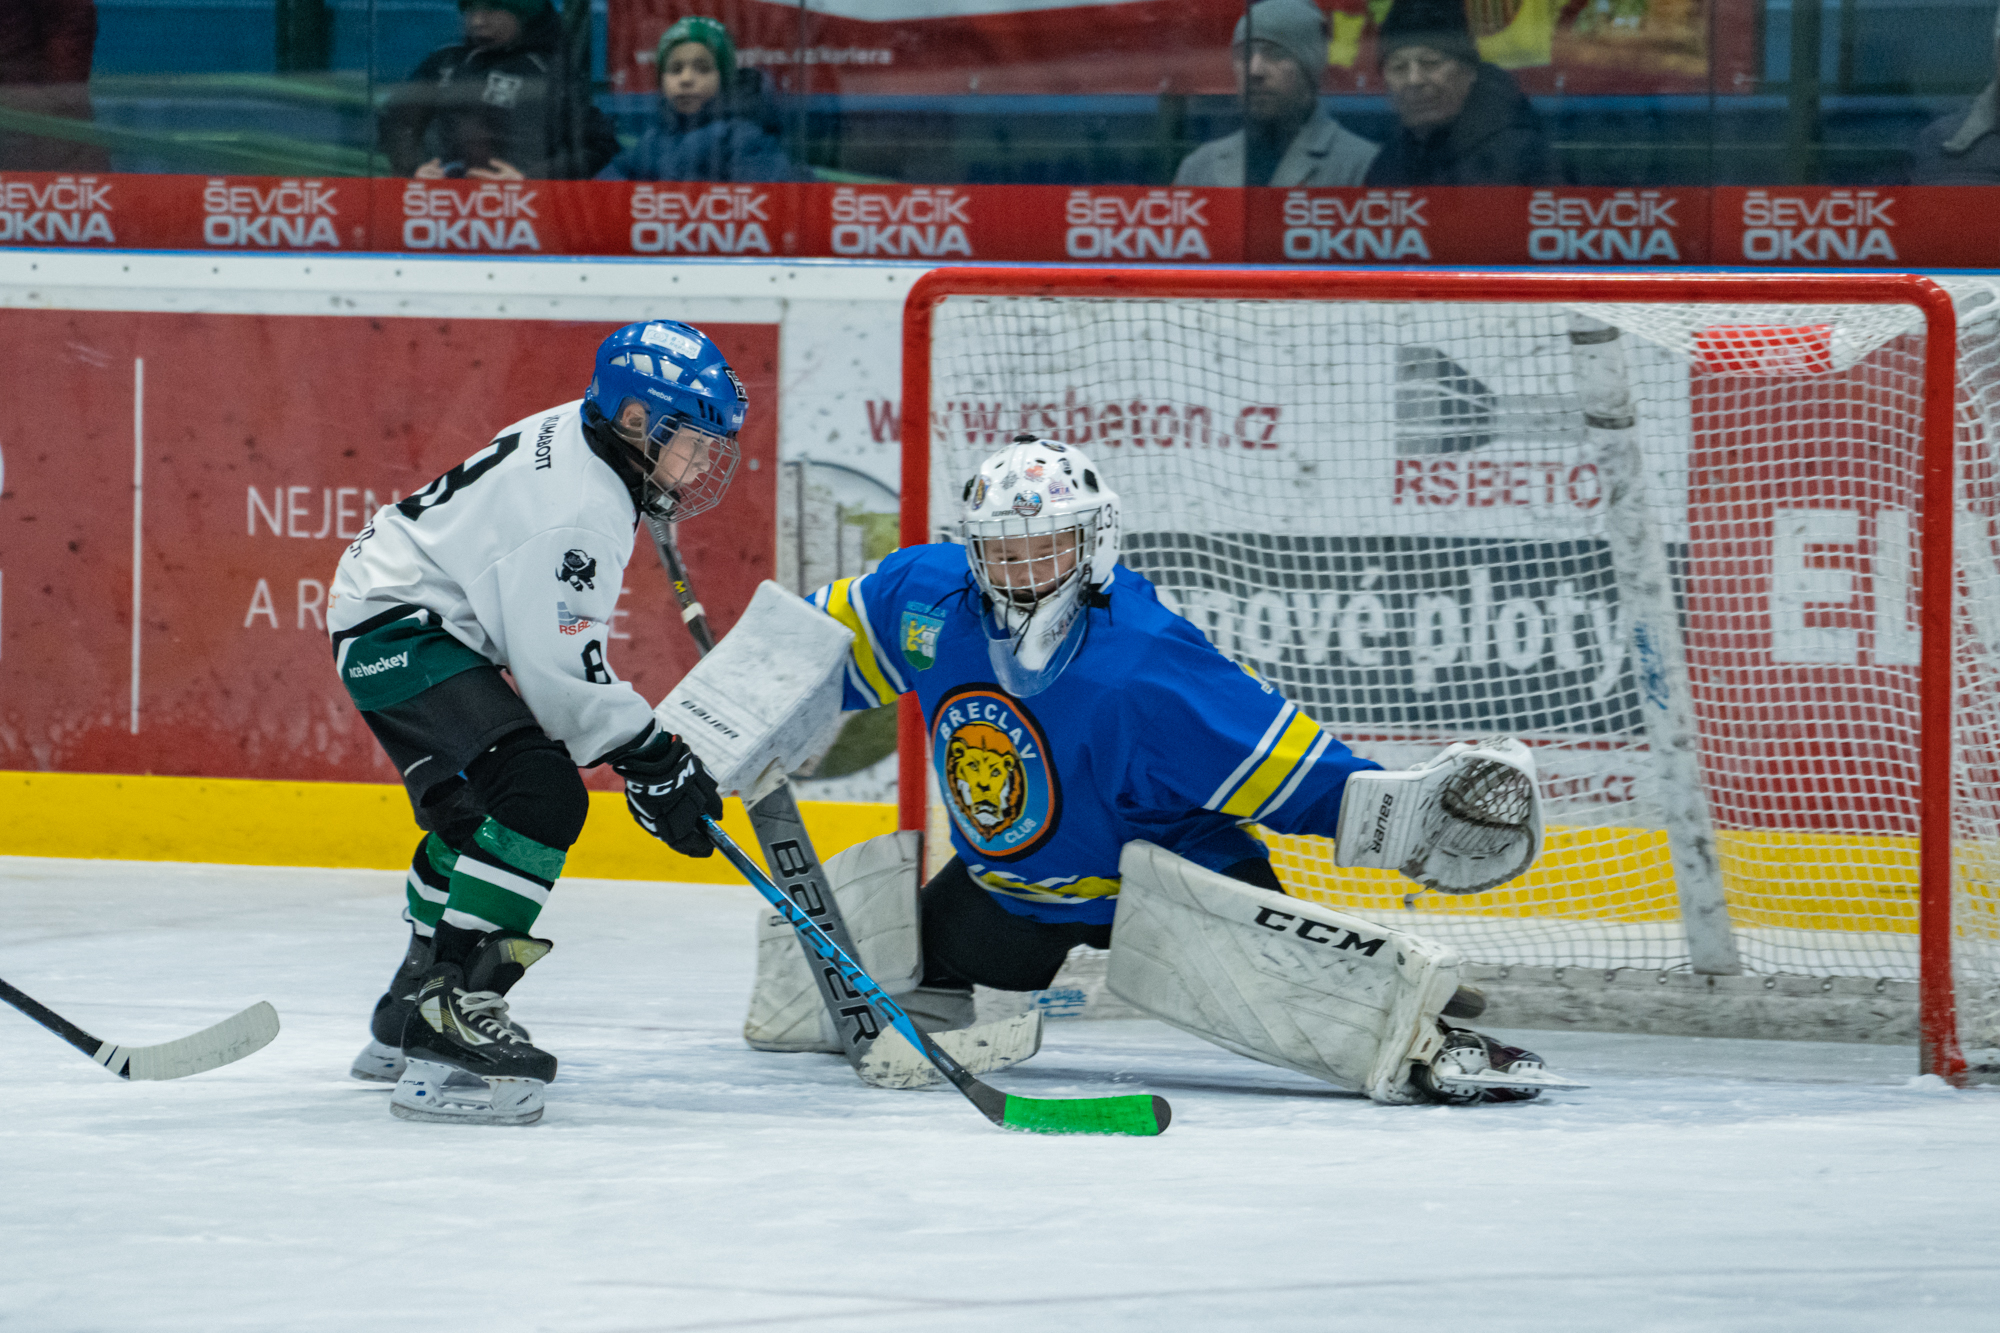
<point>775,817</point>
<point>692,614</point>
<point>1138,1114</point>
<point>225,1043</point>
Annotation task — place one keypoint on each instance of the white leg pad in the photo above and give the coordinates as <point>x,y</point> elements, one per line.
<point>875,884</point>
<point>1278,979</point>
<point>891,1062</point>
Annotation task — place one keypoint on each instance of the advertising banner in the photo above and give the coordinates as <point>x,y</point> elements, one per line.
<point>1784,226</point>
<point>1799,226</point>
<point>178,490</point>
<point>1482,225</point>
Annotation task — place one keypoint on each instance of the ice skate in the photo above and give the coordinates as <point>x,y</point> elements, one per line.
<point>465,1061</point>
<point>1474,1067</point>
<point>381,1060</point>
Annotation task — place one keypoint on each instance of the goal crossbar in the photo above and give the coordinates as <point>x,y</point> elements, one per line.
<point>1939,1045</point>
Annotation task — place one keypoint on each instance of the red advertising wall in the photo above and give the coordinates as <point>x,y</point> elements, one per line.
<point>1803,583</point>
<point>267,440</point>
<point>1780,227</point>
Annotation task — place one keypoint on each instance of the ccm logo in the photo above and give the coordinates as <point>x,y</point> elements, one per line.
<point>1272,919</point>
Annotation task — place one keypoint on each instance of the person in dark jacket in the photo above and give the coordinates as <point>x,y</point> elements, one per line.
<point>45,51</point>
<point>1461,121</point>
<point>499,105</point>
<point>704,132</point>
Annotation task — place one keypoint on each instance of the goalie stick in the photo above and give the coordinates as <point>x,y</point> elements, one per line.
<point>782,834</point>
<point>212,1047</point>
<point>1141,1114</point>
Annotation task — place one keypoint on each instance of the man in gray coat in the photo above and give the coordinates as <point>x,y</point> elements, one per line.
<point>1288,139</point>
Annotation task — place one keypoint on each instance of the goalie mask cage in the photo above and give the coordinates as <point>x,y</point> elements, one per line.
<point>1683,534</point>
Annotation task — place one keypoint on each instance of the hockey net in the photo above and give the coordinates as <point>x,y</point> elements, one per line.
<point>1431,520</point>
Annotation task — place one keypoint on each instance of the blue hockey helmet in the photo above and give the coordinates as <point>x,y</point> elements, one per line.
<point>667,393</point>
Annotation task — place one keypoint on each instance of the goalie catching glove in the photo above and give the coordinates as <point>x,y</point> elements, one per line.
<point>1468,820</point>
<point>668,791</point>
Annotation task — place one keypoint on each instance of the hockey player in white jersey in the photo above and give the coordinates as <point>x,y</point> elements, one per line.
<point>1100,761</point>
<point>513,561</point>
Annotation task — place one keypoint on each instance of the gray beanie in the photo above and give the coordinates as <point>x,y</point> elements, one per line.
<point>1294,26</point>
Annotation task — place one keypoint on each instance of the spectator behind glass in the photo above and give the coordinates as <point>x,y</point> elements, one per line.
<point>45,48</point>
<point>1287,139</point>
<point>499,105</point>
<point>1964,147</point>
<point>703,132</point>
<point>1460,121</point>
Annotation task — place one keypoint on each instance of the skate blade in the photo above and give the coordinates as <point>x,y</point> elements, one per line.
<point>377,1064</point>
<point>440,1094</point>
<point>1512,1080</point>
<point>985,1048</point>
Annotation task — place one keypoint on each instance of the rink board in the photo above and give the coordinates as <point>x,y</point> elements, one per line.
<point>104,816</point>
<point>1624,875</point>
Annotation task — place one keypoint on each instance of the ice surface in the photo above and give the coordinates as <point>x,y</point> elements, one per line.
<point>684,1182</point>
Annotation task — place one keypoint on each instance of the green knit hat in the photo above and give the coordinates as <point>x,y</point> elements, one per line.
<point>710,34</point>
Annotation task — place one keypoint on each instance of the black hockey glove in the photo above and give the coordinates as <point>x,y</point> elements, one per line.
<point>669,791</point>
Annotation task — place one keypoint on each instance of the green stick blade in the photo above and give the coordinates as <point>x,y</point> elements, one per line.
<point>1143,1115</point>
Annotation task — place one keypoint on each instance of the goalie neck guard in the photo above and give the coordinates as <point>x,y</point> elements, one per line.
<point>1041,534</point>
<point>663,392</point>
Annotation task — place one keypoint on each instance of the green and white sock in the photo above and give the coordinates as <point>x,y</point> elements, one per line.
<point>501,882</point>
<point>428,884</point>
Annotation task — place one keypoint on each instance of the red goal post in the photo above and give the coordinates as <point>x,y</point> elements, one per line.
<point>1932,498</point>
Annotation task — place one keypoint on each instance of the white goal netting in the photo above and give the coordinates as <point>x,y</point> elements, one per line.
<point>1430,522</point>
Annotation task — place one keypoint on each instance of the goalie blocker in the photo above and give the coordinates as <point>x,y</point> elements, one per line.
<point>1295,984</point>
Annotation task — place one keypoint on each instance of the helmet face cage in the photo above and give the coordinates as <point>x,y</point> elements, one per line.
<point>686,468</point>
<point>668,394</point>
<point>1039,529</point>
<point>1019,564</point>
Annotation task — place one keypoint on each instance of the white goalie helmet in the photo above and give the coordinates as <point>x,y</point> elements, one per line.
<point>1041,534</point>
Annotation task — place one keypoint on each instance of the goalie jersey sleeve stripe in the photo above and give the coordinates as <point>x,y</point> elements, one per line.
<point>1251,760</point>
<point>870,672</point>
<point>1281,760</point>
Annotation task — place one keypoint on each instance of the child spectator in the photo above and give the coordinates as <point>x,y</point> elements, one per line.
<point>702,133</point>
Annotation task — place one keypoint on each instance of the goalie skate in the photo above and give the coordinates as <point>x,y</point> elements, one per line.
<point>431,1091</point>
<point>1474,1067</point>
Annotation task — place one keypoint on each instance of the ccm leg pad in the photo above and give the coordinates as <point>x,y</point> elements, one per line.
<point>1281,980</point>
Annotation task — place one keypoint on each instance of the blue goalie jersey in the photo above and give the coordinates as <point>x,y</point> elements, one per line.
<point>1148,733</point>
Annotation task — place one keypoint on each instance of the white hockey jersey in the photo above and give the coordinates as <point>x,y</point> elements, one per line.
<point>521,551</point>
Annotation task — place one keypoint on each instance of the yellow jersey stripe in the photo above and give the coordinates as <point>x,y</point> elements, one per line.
<point>1251,760</point>
<point>1298,776</point>
<point>841,607</point>
<point>1285,756</point>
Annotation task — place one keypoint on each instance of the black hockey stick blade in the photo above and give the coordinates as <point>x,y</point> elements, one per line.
<point>1141,1114</point>
<point>212,1047</point>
